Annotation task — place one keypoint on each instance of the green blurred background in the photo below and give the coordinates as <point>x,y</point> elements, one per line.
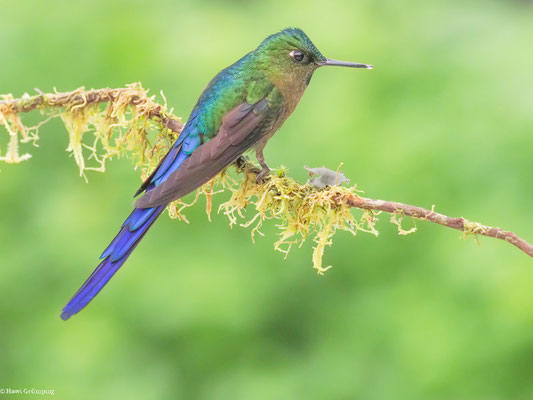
<point>199,312</point>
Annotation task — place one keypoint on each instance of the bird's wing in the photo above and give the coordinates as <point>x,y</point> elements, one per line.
<point>182,148</point>
<point>242,127</point>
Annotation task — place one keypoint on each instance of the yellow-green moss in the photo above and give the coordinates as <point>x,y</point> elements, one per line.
<point>124,125</point>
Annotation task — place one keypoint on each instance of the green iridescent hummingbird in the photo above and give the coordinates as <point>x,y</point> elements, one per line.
<point>241,108</point>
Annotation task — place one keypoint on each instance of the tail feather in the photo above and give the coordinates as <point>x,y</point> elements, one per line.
<point>135,220</point>
<point>129,236</point>
<point>133,229</point>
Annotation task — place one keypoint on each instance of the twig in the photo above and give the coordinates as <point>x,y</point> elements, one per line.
<point>395,208</point>
<point>137,97</point>
<point>80,97</point>
<point>461,224</point>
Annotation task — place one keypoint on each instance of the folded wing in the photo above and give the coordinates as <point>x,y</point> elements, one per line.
<point>241,128</point>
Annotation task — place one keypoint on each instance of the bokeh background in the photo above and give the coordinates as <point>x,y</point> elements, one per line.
<point>199,312</point>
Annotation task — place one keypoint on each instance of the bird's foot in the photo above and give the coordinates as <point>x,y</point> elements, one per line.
<point>262,176</point>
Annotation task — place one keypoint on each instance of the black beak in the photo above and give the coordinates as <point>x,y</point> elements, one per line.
<point>338,63</point>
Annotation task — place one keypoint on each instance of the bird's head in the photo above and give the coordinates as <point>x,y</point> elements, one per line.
<point>290,54</point>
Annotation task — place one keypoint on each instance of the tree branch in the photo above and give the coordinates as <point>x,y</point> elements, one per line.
<point>302,209</point>
<point>395,208</point>
<point>460,224</point>
<point>135,95</point>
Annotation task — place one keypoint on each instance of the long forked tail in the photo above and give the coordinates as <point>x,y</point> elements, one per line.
<point>118,251</point>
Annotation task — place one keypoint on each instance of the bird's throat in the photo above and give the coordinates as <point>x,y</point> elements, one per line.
<point>291,90</point>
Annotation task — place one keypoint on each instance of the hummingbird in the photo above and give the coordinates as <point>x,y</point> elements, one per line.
<point>239,110</point>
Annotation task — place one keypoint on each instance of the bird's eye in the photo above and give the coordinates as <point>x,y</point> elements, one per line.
<point>297,55</point>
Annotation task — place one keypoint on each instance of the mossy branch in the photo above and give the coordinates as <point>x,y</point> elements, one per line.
<point>101,124</point>
<point>120,122</point>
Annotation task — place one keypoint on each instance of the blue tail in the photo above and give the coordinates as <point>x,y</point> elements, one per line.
<point>135,226</point>
<point>118,251</point>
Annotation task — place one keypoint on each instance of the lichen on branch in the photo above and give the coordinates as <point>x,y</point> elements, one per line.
<point>101,124</point>
<point>301,210</point>
<point>127,122</point>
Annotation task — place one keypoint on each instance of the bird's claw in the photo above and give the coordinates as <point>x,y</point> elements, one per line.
<point>262,176</point>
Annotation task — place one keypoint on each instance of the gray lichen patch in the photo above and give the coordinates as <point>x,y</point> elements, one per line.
<point>323,177</point>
